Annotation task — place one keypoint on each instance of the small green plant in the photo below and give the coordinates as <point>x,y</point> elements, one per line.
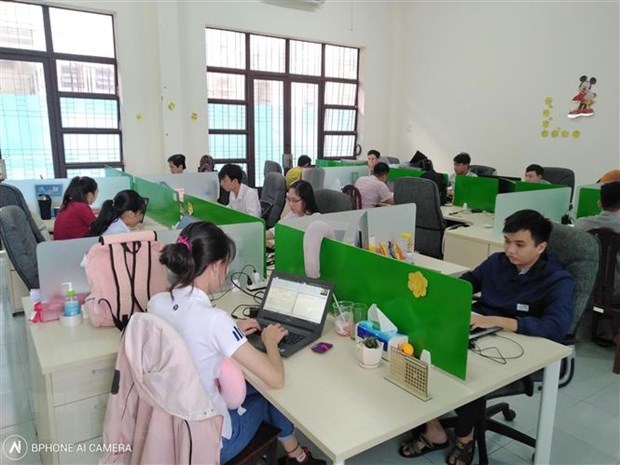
<point>371,342</point>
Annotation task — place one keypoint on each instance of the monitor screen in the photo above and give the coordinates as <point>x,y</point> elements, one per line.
<point>303,300</point>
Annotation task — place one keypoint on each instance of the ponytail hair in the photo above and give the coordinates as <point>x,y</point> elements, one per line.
<point>111,210</point>
<point>199,245</point>
<point>78,189</point>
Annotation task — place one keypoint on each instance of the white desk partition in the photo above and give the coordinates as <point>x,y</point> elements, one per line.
<point>108,188</point>
<point>59,261</point>
<point>202,185</point>
<point>551,203</point>
<point>336,177</point>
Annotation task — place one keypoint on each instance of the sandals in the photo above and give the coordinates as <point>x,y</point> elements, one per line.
<point>412,447</point>
<point>463,452</point>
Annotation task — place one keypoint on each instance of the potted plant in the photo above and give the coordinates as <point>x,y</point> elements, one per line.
<point>369,352</point>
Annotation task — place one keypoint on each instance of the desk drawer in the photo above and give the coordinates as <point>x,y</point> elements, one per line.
<point>80,421</point>
<point>82,453</point>
<point>82,382</point>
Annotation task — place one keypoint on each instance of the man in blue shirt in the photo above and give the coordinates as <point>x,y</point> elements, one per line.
<point>524,290</point>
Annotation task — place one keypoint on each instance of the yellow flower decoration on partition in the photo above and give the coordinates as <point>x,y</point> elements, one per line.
<point>190,208</point>
<point>417,284</point>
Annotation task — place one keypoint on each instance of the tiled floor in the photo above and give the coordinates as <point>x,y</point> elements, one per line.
<point>586,427</point>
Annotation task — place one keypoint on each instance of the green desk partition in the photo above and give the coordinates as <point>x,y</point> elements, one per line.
<point>322,163</point>
<point>438,321</point>
<point>521,186</point>
<point>587,201</point>
<point>396,173</point>
<point>163,205</point>
<point>477,192</point>
<point>111,172</point>
<point>217,213</point>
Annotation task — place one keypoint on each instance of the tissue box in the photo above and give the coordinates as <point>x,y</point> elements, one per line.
<point>366,329</point>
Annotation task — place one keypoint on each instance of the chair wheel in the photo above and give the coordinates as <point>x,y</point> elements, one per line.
<point>509,414</point>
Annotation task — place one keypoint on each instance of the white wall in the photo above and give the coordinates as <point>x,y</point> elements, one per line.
<point>473,76</point>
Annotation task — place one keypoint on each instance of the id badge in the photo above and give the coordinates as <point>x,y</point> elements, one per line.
<point>523,307</point>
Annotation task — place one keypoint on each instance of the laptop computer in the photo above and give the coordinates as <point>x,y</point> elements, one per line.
<point>475,333</point>
<point>298,303</point>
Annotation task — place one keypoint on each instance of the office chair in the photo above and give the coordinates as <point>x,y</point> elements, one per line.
<point>608,277</point>
<point>482,169</point>
<point>354,193</point>
<point>578,252</point>
<point>560,176</point>
<point>330,201</point>
<point>429,222</point>
<point>20,244</point>
<point>393,160</point>
<point>224,196</point>
<point>315,176</point>
<point>272,167</point>
<point>11,195</point>
<point>273,198</point>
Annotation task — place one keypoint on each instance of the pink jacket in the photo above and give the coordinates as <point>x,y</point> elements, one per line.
<point>158,411</point>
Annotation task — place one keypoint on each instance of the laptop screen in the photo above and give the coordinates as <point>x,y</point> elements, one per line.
<point>303,300</point>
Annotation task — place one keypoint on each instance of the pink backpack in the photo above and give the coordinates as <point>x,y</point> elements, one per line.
<point>124,272</point>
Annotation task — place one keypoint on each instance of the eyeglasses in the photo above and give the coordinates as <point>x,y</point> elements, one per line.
<point>292,200</point>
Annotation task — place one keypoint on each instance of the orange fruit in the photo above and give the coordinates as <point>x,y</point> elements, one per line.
<point>406,348</point>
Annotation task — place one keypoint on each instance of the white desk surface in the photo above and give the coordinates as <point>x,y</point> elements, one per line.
<point>479,229</point>
<point>343,408</point>
<point>148,224</point>
<point>451,269</point>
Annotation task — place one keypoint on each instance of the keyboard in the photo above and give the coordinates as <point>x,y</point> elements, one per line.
<point>291,338</point>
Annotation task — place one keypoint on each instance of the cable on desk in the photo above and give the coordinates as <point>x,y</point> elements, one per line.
<point>493,353</point>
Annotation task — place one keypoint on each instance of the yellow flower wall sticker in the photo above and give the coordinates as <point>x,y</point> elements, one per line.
<point>417,284</point>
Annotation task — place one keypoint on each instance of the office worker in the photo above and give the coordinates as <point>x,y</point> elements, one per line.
<point>534,174</point>
<point>524,290</point>
<point>373,189</point>
<point>119,215</point>
<point>301,202</point>
<point>372,158</point>
<point>294,174</point>
<point>437,178</point>
<point>207,164</point>
<point>461,164</point>
<point>75,215</point>
<point>608,218</point>
<point>610,176</point>
<point>199,262</point>
<point>242,197</point>
<point>176,163</point>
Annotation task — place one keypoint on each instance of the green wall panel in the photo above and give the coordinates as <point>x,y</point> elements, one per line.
<point>588,202</point>
<point>477,192</point>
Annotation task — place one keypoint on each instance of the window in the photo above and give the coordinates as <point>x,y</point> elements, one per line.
<point>269,95</point>
<point>59,102</point>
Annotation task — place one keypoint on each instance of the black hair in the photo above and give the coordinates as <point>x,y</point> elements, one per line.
<point>306,193</point>
<point>427,164</point>
<point>232,171</point>
<point>203,243</point>
<point>529,220</point>
<point>539,170</point>
<point>177,160</point>
<point>78,189</point>
<point>304,160</point>
<point>462,158</point>
<point>381,169</point>
<point>111,210</point>
<point>610,196</point>
<point>375,153</point>
<point>207,164</point>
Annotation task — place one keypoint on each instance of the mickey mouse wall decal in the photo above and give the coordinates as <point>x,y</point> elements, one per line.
<point>585,98</point>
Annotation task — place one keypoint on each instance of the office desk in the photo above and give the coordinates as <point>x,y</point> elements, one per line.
<point>441,266</point>
<point>343,408</point>
<point>469,246</point>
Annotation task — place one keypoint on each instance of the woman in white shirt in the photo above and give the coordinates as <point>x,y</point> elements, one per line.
<point>119,215</point>
<point>199,261</point>
<point>301,202</point>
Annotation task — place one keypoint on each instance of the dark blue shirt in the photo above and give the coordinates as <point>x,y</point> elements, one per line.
<point>541,300</point>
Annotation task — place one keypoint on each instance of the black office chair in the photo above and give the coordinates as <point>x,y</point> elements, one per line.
<point>11,195</point>
<point>483,170</point>
<point>271,167</point>
<point>578,252</point>
<point>315,176</point>
<point>273,198</point>
<point>556,175</point>
<point>429,222</point>
<point>20,244</point>
<point>331,201</point>
<point>393,160</point>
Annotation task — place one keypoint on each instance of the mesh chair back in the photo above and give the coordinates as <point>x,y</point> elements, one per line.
<point>20,244</point>
<point>315,176</point>
<point>355,195</point>
<point>482,169</point>
<point>609,270</point>
<point>393,160</point>
<point>429,223</point>
<point>560,176</point>
<point>272,167</point>
<point>274,192</point>
<point>11,195</point>
<point>578,252</point>
<point>330,201</point>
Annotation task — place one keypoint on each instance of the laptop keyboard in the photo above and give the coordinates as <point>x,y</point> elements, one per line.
<point>292,338</point>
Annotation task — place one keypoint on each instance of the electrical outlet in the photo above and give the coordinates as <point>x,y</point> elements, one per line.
<point>257,285</point>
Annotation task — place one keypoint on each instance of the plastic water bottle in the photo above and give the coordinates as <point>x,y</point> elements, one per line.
<point>72,304</point>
